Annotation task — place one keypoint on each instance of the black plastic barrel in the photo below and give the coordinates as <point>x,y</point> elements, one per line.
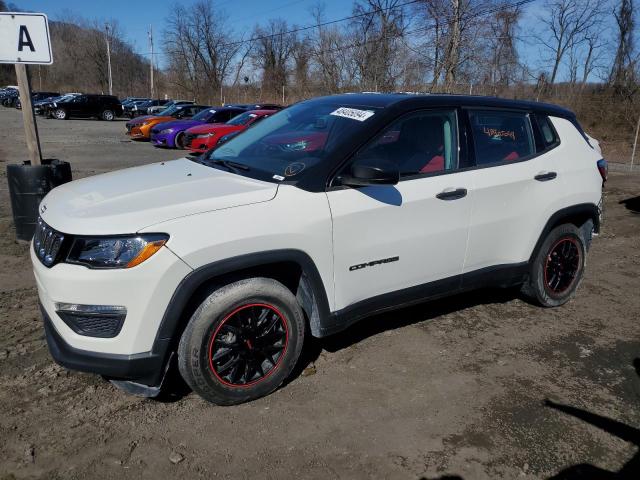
<point>28,184</point>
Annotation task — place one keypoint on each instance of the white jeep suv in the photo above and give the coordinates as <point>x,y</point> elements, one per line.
<point>326,212</point>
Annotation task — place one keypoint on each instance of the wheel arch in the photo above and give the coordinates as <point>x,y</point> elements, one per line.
<point>579,215</point>
<point>294,268</point>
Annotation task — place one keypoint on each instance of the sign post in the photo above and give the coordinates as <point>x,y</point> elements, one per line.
<point>24,39</point>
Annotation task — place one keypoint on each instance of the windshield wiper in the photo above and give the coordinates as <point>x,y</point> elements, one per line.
<point>231,165</point>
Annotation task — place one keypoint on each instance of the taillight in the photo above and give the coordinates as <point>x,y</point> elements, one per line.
<point>603,168</point>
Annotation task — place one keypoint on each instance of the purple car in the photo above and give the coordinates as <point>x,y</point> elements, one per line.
<point>171,134</point>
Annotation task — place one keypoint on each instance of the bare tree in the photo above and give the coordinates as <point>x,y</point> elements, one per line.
<point>376,34</point>
<point>273,51</point>
<point>623,65</point>
<point>566,23</point>
<point>201,48</point>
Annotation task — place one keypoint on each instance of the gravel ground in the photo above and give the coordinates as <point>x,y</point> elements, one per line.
<point>448,389</point>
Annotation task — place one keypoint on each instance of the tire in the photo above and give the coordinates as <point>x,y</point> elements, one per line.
<point>558,267</point>
<point>266,317</point>
<point>107,115</point>
<point>179,141</point>
<point>60,114</point>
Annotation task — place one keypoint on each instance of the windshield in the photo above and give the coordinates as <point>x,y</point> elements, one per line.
<point>168,111</point>
<point>290,141</point>
<point>204,115</point>
<point>242,119</point>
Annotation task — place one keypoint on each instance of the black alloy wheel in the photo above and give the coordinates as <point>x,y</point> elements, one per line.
<point>248,344</point>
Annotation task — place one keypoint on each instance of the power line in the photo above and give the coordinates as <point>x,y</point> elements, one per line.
<point>429,27</point>
<point>318,25</point>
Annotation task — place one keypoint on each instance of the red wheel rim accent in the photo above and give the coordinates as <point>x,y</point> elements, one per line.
<point>244,344</point>
<point>562,265</point>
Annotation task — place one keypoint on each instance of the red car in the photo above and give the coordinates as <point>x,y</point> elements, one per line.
<point>204,137</point>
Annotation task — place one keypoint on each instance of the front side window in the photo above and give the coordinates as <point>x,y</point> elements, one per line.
<point>501,136</point>
<point>419,143</point>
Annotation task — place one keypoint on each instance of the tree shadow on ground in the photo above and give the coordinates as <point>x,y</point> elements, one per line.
<point>632,204</point>
<point>586,471</point>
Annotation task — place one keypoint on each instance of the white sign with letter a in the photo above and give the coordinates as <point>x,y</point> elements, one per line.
<point>24,38</point>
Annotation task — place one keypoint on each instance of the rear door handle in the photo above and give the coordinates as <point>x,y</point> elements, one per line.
<point>452,194</point>
<point>545,176</point>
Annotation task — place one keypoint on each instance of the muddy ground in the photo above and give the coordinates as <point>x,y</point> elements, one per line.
<point>450,389</point>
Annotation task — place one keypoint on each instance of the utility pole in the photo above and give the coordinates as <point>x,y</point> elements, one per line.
<point>152,59</point>
<point>106,26</point>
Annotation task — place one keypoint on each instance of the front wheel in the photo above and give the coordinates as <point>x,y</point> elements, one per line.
<point>558,267</point>
<point>60,113</point>
<point>179,140</point>
<point>242,342</point>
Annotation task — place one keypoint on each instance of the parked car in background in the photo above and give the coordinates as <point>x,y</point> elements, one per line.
<point>140,128</point>
<point>201,138</point>
<point>9,98</point>
<point>171,134</point>
<point>158,108</point>
<point>257,106</point>
<point>37,96</point>
<point>105,107</point>
<point>143,108</point>
<point>41,107</point>
<point>127,100</point>
<point>128,108</point>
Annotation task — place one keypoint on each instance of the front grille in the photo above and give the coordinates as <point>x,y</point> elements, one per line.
<point>47,243</point>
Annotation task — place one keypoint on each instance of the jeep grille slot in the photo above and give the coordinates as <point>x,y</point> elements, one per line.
<point>47,243</point>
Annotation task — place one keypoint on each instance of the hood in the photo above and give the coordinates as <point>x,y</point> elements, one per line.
<point>222,128</point>
<point>127,201</point>
<point>150,119</point>
<point>180,124</point>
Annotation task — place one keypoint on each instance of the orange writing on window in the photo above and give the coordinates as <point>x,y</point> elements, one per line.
<point>494,132</point>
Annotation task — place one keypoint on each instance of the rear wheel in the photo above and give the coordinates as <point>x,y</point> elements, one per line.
<point>242,342</point>
<point>558,267</point>
<point>60,113</point>
<point>107,115</point>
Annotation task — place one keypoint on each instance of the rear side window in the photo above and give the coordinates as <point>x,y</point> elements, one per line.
<point>501,136</point>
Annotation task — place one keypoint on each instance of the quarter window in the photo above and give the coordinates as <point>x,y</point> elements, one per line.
<point>501,136</point>
<point>548,133</point>
<point>419,143</point>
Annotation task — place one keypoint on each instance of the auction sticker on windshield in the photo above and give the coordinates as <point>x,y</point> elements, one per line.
<point>352,113</point>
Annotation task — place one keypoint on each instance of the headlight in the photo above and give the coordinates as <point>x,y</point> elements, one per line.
<point>115,252</point>
<point>166,130</point>
<point>145,123</point>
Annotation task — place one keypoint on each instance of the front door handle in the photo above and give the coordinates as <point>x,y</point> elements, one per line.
<point>452,194</point>
<point>545,176</point>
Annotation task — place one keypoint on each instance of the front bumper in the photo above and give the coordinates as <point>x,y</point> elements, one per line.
<point>137,132</point>
<point>202,145</point>
<point>162,139</point>
<point>145,368</point>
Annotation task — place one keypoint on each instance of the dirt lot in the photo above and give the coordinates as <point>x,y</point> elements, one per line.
<point>451,389</point>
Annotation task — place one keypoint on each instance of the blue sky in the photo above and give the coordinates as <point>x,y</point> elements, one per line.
<point>135,16</point>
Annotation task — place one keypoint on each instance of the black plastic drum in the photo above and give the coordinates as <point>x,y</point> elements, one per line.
<point>27,187</point>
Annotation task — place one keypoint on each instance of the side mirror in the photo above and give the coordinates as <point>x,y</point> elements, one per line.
<point>372,171</point>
